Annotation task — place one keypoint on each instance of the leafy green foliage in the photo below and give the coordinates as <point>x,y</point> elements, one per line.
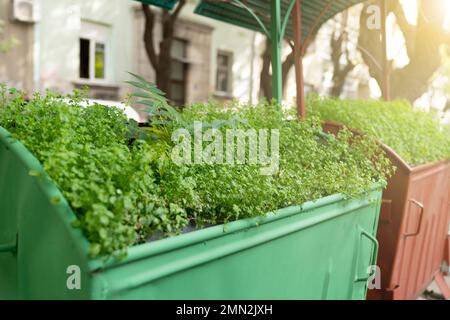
<point>125,189</point>
<point>417,136</point>
<point>158,108</point>
<point>110,183</point>
<point>312,165</point>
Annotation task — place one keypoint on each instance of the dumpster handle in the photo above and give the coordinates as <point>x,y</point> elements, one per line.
<point>9,247</point>
<point>373,260</point>
<point>419,227</point>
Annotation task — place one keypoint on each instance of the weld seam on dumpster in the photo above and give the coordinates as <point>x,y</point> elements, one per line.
<point>213,254</point>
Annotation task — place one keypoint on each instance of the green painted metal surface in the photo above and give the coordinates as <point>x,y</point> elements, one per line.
<point>165,4</point>
<point>314,13</point>
<point>320,250</point>
<point>35,217</point>
<point>275,33</point>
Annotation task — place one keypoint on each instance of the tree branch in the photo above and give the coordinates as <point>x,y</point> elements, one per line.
<point>285,68</point>
<point>177,10</point>
<point>408,30</point>
<point>148,36</point>
<point>422,41</point>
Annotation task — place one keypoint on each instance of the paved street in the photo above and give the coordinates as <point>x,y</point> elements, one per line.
<point>433,291</point>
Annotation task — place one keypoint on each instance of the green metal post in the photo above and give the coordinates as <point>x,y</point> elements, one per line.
<point>275,31</point>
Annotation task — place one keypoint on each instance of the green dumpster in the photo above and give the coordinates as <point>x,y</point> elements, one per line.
<point>319,250</point>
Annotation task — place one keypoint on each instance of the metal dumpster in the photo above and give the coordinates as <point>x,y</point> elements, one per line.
<point>320,250</point>
<point>447,249</point>
<point>447,244</point>
<point>413,227</point>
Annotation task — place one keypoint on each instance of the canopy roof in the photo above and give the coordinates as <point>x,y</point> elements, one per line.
<point>246,13</point>
<point>165,4</point>
<point>314,13</point>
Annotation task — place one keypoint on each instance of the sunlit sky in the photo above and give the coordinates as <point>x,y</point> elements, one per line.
<point>396,42</point>
<point>410,7</point>
<point>396,48</point>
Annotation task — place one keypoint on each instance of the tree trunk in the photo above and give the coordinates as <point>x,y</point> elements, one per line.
<point>161,62</point>
<point>339,50</point>
<point>265,84</point>
<point>165,48</point>
<point>422,44</point>
<point>265,87</point>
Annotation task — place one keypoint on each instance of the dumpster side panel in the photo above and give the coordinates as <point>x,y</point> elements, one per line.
<point>8,227</point>
<point>50,263</point>
<point>320,253</point>
<point>447,243</point>
<point>389,229</point>
<point>424,231</point>
<point>37,218</point>
<point>413,226</point>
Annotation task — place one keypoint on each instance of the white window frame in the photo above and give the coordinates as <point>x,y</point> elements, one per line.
<point>230,56</point>
<point>96,33</point>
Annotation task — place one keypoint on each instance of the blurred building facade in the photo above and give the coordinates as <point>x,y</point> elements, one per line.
<point>67,44</point>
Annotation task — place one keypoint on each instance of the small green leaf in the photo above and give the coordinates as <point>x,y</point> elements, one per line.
<point>34,173</point>
<point>56,200</point>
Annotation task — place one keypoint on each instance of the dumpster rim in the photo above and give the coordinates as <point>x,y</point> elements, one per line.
<point>148,249</point>
<point>301,222</point>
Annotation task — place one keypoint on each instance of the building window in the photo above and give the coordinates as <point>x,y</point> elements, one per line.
<point>84,58</point>
<point>99,60</point>
<point>224,72</point>
<point>178,72</point>
<point>92,59</point>
<point>93,52</point>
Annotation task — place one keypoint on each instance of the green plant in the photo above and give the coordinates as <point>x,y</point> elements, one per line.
<point>110,183</point>
<point>125,189</point>
<point>158,108</point>
<point>417,136</point>
<point>312,165</point>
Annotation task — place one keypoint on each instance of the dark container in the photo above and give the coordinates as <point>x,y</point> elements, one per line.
<point>413,227</point>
